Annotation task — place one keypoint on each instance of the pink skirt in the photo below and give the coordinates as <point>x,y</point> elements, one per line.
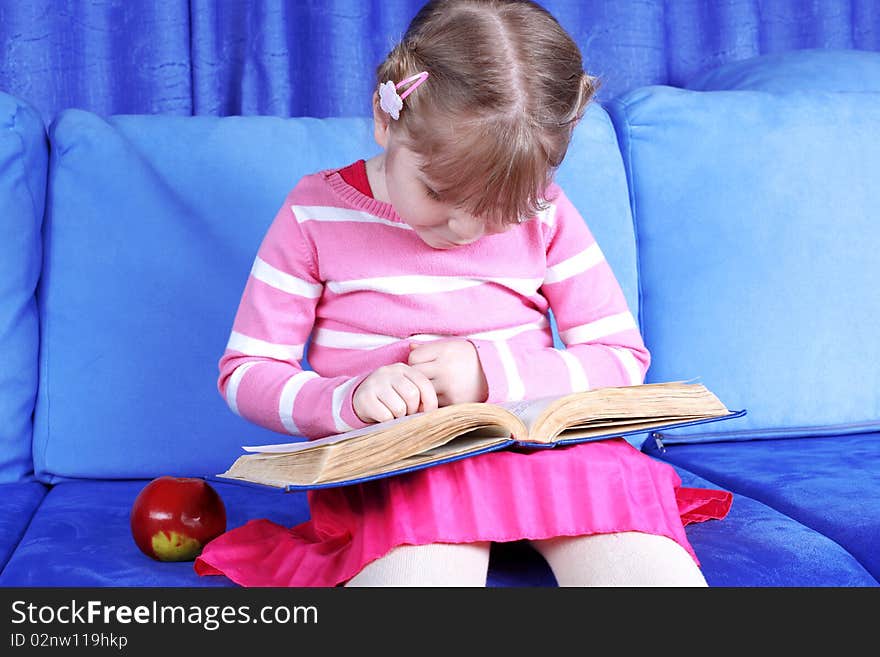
<point>589,488</point>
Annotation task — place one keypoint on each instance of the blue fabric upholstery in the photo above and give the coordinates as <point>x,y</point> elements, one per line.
<point>754,215</point>
<point>757,233</point>
<point>814,70</point>
<point>151,230</point>
<point>18,501</point>
<point>80,537</point>
<point>830,484</point>
<point>757,545</point>
<point>23,157</point>
<point>594,179</point>
<point>150,304</point>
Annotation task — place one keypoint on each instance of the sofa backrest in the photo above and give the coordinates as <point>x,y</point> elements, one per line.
<point>23,162</point>
<point>151,229</point>
<point>818,69</point>
<point>758,223</point>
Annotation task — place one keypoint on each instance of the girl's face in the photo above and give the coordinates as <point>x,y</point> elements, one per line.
<point>440,225</point>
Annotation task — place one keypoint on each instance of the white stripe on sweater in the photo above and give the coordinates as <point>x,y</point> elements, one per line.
<point>348,340</point>
<point>515,388</point>
<point>283,281</point>
<point>233,383</point>
<point>254,347</point>
<point>288,398</point>
<point>507,333</point>
<point>577,264</point>
<point>599,329</point>
<point>326,214</point>
<point>340,394</point>
<point>576,375</point>
<point>407,285</point>
<point>630,363</point>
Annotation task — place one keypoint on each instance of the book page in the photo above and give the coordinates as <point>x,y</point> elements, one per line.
<point>599,424</point>
<point>528,410</point>
<point>471,442</point>
<point>612,407</point>
<point>353,453</point>
<point>457,429</point>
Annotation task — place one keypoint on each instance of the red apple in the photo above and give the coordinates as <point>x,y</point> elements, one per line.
<point>173,518</point>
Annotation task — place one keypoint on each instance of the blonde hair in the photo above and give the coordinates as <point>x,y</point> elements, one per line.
<point>493,121</point>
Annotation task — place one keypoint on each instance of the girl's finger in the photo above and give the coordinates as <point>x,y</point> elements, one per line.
<point>379,411</point>
<point>409,392</point>
<point>421,353</point>
<point>426,389</point>
<point>393,401</point>
<point>430,369</point>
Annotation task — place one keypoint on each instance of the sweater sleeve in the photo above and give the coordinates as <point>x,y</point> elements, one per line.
<point>261,374</point>
<point>603,344</point>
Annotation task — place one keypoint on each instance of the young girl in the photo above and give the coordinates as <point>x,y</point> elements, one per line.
<point>424,277</point>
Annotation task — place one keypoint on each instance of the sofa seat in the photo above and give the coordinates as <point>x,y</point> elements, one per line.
<point>754,545</point>
<point>18,502</point>
<point>757,545</point>
<point>79,536</point>
<point>830,484</point>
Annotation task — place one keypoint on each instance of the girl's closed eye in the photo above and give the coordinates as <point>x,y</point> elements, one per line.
<point>431,194</point>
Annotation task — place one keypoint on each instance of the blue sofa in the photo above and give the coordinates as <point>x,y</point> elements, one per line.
<point>740,215</point>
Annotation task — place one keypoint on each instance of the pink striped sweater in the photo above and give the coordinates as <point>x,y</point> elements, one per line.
<point>341,271</point>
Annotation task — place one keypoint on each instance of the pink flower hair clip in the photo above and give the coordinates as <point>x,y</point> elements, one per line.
<point>391,101</point>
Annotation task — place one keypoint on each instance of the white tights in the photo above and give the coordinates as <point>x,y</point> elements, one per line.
<point>623,559</point>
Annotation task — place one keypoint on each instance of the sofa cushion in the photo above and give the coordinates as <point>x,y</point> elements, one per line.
<point>796,70</point>
<point>830,484</point>
<point>23,162</point>
<point>18,501</point>
<point>756,217</point>
<point>151,230</point>
<point>80,537</point>
<point>594,180</point>
<point>756,545</point>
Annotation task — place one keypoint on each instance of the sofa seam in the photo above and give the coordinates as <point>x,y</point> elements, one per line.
<point>43,352</point>
<point>43,323</point>
<point>26,528</point>
<point>15,122</point>
<point>635,224</point>
<point>631,192</point>
<point>37,224</point>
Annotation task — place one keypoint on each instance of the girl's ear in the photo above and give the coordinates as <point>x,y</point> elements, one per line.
<point>381,122</point>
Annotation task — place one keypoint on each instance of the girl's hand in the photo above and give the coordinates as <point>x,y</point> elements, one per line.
<point>454,369</point>
<point>393,391</point>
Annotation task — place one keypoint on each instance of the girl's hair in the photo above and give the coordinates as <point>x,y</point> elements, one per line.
<point>493,120</point>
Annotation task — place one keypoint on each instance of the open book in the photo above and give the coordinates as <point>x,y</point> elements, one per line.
<point>462,430</point>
